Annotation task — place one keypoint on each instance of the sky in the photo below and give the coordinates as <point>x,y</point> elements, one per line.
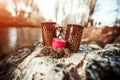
<point>106,12</point>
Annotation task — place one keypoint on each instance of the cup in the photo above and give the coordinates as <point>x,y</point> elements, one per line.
<point>48,32</point>
<point>73,37</point>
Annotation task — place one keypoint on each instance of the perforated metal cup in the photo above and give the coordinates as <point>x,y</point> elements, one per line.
<point>48,32</point>
<point>73,36</point>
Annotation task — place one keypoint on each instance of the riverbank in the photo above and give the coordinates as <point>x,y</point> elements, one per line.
<point>11,21</point>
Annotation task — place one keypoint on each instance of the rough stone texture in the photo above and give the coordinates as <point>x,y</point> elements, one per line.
<point>91,63</point>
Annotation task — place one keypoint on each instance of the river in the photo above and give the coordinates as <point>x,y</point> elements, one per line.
<point>12,38</point>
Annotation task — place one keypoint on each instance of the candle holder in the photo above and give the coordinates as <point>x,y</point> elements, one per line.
<point>73,36</point>
<point>48,32</point>
<point>58,43</point>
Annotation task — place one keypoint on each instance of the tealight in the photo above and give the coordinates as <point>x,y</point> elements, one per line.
<point>58,43</point>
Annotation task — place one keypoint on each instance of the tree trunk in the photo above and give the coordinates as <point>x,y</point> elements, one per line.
<point>90,20</point>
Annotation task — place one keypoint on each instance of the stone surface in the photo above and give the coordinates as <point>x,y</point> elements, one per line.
<point>91,63</point>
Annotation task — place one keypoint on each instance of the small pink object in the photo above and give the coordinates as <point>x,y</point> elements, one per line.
<point>58,43</point>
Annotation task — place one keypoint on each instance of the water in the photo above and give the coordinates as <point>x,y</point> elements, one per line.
<point>12,38</point>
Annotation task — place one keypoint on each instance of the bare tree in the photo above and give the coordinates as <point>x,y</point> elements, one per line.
<point>117,22</point>
<point>15,8</point>
<point>90,20</point>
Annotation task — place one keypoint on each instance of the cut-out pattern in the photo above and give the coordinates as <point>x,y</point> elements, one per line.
<point>74,41</point>
<point>47,35</point>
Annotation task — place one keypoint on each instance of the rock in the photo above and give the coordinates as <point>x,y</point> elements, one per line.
<point>91,63</point>
<point>89,48</point>
<point>103,70</point>
<point>9,64</point>
<point>103,64</point>
<point>112,45</point>
<point>46,68</point>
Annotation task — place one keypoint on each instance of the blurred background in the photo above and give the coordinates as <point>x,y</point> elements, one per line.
<point>20,21</point>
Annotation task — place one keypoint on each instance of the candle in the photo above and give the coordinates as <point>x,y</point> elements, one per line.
<point>58,43</point>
